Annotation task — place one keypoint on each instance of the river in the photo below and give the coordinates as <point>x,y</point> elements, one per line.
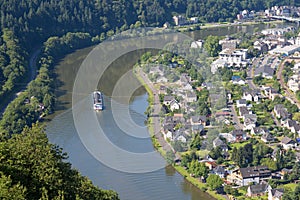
<point>165,183</point>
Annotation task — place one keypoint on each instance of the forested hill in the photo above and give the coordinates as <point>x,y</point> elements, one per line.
<point>39,19</point>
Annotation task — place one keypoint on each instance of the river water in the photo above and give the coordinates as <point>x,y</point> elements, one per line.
<point>165,183</point>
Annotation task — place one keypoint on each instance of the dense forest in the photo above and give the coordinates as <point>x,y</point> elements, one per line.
<point>30,167</point>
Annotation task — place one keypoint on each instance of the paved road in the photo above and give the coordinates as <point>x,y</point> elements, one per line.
<point>290,95</point>
<point>235,119</point>
<point>155,114</point>
<point>33,72</point>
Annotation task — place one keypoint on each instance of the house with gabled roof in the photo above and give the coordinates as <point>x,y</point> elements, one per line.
<point>220,143</point>
<point>267,137</point>
<point>249,121</point>
<point>244,111</point>
<point>238,135</point>
<point>292,125</point>
<point>257,190</point>
<point>241,103</point>
<point>287,143</point>
<point>168,99</point>
<point>275,194</point>
<point>259,130</point>
<point>198,119</point>
<point>281,112</point>
<point>220,171</point>
<point>249,175</point>
<point>264,71</point>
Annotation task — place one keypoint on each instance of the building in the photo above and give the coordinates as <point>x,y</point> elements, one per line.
<point>287,50</point>
<point>257,190</point>
<point>179,20</point>
<point>264,71</point>
<point>267,137</point>
<point>236,57</point>
<point>275,194</point>
<point>281,112</point>
<point>249,175</point>
<point>241,103</point>
<point>168,99</point>
<point>219,63</point>
<point>249,121</point>
<point>287,143</point>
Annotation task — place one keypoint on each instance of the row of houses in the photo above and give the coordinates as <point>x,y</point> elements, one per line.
<point>294,81</point>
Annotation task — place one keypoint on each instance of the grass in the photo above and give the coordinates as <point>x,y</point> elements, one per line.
<point>239,144</point>
<point>289,186</point>
<point>197,183</point>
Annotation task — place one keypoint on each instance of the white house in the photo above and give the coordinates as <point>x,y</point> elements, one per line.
<point>287,143</point>
<point>241,103</point>
<point>234,57</point>
<point>174,105</point>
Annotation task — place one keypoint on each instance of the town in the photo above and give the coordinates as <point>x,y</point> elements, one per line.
<point>240,136</point>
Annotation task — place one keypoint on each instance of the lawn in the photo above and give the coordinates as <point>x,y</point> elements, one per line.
<point>239,144</point>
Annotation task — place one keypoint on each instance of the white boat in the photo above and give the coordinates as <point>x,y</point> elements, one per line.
<point>98,101</point>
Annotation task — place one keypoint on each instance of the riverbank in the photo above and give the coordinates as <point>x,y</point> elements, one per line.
<point>194,27</point>
<point>159,144</point>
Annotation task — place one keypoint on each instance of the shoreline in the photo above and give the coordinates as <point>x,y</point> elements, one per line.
<point>194,27</point>
<point>158,146</point>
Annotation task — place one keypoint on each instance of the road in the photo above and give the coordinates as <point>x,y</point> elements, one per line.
<point>33,73</point>
<point>289,95</point>
<point>155,114</point>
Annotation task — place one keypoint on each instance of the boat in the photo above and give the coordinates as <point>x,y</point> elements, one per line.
<point>98,101</point>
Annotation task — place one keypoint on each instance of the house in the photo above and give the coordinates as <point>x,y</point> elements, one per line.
<point>241,103</point>
<point>229,43</point>
<point>244,111</point>
<point>275,194</point>
<point>259,130</point>
<point>210,164</point>
<point>162,89</point>
<point>249,175</point>
<point>261,46</point>
<point>251,95</point>
<point>220,171</point>
<point>271,93</point>
<point>168,131</point>
<point>264,71</point>
<point>220,143</point>
<point>179,20</point>
<point>180,137</point>
<point>234,57</point>
<point>257,190</point>
<point>249,121</point>
<point>219,63</point>
<point>267,137</point>
<point>184,78</point>
<point>191,97</point>
<point>198,119</point>
<point>161,79</point>
<point>292,125</point>
<point>237,80</point>
<point>174,105</point>
<point>287,143</point>
<point>238,135</point>
<point>168,99</point>
<point>281,112</point>
<point>197,44</point>
<point>197,128</point>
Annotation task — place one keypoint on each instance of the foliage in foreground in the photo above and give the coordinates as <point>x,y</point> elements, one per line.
<point>31,168</point>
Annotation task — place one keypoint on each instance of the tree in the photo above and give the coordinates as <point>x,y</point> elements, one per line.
<point>212,45</point>
<point>196,142</point>
<point>170,156</point>
<point>198,169</point>
<point>214,181</point>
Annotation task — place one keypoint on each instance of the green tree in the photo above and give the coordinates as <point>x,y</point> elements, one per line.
<point>212,45</point>
<point>214,181</point>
